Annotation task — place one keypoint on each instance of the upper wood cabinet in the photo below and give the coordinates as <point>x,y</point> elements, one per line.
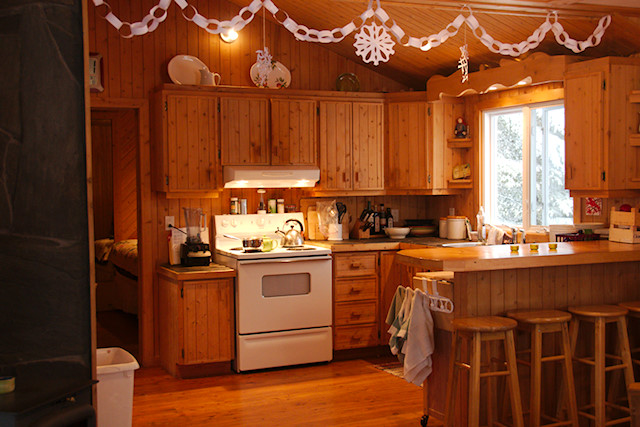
<point>294,132</point>
<point>244,131</point>
<point>599,119</point>
<point>408,154</point>
<point>418,155</point>
<point>186,146</point>
<point>351,145</point>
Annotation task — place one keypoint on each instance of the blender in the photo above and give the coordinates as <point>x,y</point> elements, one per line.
<point>194,252</point>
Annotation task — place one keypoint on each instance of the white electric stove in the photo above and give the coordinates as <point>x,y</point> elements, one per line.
<point>283,297</point>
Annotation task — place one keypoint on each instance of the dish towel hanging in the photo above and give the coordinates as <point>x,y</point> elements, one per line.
<point>419,344</point>
<point>398,319</point>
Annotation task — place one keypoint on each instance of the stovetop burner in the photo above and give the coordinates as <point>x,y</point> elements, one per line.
<point>246,250</point>
<point>300,248</point>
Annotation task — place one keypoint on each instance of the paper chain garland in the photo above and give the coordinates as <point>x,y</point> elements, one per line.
<point>372,43</point>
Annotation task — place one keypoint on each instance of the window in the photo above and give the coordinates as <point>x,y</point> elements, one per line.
<point>524,166</point>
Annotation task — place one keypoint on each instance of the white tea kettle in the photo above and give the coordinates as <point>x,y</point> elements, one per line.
<point>292,237</point>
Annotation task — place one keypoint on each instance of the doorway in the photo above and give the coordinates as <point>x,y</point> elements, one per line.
<point>115,141</point>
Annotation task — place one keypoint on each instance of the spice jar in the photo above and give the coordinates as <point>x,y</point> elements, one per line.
<point>233,210</point>
<point>280,205</point>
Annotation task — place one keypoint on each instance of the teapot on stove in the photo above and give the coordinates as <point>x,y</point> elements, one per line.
<point>292,237</point>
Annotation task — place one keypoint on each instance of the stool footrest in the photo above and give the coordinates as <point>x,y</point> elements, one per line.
<point>494,374</point>
<point>552,358</point>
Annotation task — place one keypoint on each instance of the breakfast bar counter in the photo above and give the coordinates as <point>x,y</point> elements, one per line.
<point>491,280</point>
<point>501,257</point>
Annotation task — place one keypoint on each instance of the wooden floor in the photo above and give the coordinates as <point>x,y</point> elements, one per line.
<point>343,393</point>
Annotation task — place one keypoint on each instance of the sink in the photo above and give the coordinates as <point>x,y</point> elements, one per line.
<point>461,244</point>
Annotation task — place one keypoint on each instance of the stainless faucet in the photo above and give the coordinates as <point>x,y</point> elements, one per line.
<point>514,235</point>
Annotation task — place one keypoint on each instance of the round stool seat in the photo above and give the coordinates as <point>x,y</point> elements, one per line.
<point>537,317</point>
<point>484,324</point>
<point>599,310</point>
<point>632,306</point>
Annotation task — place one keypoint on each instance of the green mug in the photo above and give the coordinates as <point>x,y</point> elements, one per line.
<point>268,244</point>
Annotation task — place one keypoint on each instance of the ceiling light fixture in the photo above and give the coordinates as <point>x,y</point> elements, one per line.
<point>229,36</point>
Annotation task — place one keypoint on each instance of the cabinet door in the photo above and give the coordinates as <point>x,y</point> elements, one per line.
<point>335,146</point>
<point>367,144</point>
<point>191,143</point>
<point>208,321</point>
<point>584,138</point>
<point>293,132</point>
<point>244,131</point>
<point>407,156</point>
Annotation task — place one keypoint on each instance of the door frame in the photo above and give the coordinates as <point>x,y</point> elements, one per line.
<point>145,271</point>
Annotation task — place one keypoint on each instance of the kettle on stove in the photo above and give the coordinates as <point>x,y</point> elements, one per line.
<point>292,237</point>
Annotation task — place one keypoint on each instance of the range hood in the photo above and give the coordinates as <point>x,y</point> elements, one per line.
<point>270,176</point>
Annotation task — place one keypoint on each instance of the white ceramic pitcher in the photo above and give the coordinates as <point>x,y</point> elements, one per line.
<point>207,78</point>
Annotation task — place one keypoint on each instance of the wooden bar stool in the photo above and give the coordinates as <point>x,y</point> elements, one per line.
<point>634,312</point>
<point>478,330</point>
<point>539,322</point>
<point>600,315</point>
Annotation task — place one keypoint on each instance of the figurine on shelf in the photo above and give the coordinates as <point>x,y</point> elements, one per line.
<point>461,129</point>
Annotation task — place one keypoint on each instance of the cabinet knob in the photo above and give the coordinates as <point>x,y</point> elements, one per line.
<point>355,265</point>
<point>356,339</point>
<point>355,316</point>
<point>354,291</point>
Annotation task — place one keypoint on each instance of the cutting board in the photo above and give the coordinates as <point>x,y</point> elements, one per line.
<point>313,229</point>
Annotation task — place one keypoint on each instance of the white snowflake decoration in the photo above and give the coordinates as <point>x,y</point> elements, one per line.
<point>463,63</point>
<point>264,66</point>
<point>374,44</point>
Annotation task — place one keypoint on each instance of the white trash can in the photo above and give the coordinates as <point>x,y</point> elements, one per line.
<point>115,368</point>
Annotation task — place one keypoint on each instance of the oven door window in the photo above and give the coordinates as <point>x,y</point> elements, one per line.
<point>281,285</point>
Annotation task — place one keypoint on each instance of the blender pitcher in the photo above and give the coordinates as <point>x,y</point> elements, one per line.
<point>194,219</point>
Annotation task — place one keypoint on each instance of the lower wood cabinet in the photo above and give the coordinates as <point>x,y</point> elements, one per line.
<point>196,322</point>
<point>355,300</point>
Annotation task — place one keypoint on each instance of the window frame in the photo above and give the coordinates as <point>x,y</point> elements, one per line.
<point>523,105</point>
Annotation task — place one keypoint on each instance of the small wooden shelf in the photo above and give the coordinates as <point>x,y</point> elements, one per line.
<point>459,142</point>
<point>634,97</point>
<point>460,183</point>
<point>634,140</point>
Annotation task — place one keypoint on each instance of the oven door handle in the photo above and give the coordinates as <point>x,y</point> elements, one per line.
<point>274,260</point>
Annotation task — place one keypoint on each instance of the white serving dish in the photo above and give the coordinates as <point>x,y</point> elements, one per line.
<point>397,232</point>
<point>278,77</point>
<point>185,69</point>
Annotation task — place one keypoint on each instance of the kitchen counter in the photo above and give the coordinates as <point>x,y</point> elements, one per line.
<point>490,280</point>
<point>211,271</point>
<point>379,243</point>
<point>500,257</point>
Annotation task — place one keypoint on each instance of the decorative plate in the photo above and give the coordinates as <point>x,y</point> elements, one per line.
<point>348,82</point>
<point>185,69</point>
<point>278,77</point>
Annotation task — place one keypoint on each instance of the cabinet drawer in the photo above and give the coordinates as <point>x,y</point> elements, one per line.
<point>355,337</point>
<point>355,289</point>
<point>356,265</point>
<point>353,313</point>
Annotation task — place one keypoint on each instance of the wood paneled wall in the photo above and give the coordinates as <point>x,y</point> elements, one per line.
<point>133,67</point>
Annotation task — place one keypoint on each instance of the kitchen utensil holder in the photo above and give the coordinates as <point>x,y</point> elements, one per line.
<point>358,233</point>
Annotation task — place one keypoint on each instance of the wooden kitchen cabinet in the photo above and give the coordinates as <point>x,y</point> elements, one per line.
<point>186,149</point>
<point>418,154</point>
<point>294,133</point>
<point>599,122</point>
<point>355,300</point>
<point>351,145</point>
<point>244,130</point>
<point>196,322</point>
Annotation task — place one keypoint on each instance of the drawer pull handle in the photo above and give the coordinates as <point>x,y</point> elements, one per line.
<point>356,339</point>
<point>355,265</point>
<point>355,291</point>
<point>355,315</point>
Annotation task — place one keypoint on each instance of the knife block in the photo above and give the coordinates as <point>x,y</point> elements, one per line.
<point>357,233</point>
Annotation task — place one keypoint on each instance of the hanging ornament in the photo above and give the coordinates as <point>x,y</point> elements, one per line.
<point>374,44</point>
<point>463,63</point>
<point>264,66</point>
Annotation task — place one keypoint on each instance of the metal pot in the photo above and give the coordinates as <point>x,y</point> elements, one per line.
<point>292,237</point>
<point>252,243</point>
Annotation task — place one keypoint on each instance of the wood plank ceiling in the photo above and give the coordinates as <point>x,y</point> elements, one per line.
<point>509,21</point>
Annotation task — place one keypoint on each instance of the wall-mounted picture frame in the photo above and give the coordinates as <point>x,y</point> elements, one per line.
<point>95,72</point>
